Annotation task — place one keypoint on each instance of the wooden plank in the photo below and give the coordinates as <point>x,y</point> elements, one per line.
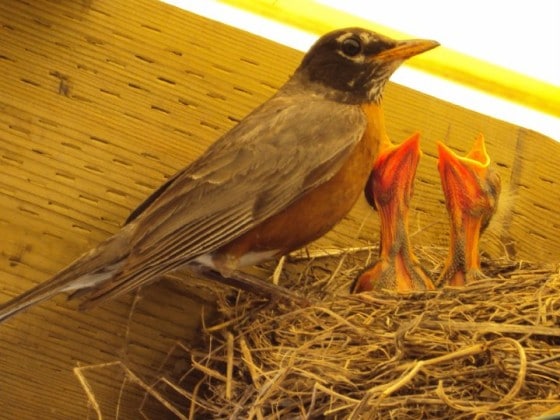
<point>100,102</point>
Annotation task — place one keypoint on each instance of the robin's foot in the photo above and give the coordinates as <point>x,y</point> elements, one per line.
<point>254,285</point>
<point>389,190</point>
<point>471,188</point>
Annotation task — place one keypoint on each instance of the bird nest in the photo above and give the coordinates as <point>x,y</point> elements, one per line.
<point>491,348</point>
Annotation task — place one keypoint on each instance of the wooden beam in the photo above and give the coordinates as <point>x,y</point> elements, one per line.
<point>100,102</point>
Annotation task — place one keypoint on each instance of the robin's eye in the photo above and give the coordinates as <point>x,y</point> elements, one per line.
<point>351,47</point>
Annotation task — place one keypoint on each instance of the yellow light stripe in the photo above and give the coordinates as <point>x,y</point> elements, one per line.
<point>443,62</point>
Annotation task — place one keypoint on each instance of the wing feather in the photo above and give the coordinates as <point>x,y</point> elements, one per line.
<point>280,151</point>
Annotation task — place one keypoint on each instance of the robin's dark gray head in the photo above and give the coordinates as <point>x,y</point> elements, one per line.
<point>354,64</point>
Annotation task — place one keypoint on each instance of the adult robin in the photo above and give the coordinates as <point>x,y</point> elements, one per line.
<point>389,190</point>
<point>281,178</point>
<point>471,188</point>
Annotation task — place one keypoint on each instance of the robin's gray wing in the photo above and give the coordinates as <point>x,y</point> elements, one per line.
<point>280,151</point>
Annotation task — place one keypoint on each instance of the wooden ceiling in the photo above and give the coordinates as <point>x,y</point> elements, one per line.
<point>101,101</point>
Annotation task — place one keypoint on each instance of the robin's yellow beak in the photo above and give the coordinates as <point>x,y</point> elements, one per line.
<point>406,49</point>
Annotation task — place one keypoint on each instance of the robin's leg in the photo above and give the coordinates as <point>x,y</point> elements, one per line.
<point>389,190</point>
<point>252,284</point>
<point>471,189</point>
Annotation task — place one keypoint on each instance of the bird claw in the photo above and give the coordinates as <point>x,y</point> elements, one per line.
<point>458,277</point>
<point>395,275</point>
<point>254,285</point>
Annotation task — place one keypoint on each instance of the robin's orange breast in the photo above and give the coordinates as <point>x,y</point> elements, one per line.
<point>317,211</point>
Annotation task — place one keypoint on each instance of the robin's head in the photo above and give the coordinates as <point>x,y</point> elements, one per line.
<point>354,63</point>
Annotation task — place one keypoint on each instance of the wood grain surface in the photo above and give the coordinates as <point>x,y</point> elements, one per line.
<point>100,102</point>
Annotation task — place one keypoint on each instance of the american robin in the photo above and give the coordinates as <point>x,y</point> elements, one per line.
<point>471,188</point>
<point>281,178</point>
<point>389,190</point>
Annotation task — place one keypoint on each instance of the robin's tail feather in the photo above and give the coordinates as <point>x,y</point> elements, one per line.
<point>85,273</point>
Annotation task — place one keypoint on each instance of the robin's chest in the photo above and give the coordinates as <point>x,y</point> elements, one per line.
<point>375,133</point>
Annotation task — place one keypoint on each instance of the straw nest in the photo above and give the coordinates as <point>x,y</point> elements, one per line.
<point>490,349</point>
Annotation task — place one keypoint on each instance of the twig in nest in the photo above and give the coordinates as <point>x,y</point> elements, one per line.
<point>306,254</point>
<point>130,376</point>
<point>230,362</point>
<point>278,271</point>
<point>248,359</point>
<point>475,408</point>
<point>491,348</point>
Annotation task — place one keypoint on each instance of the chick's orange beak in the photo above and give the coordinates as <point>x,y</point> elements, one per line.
<point>463,180</point>
<point>390,189</point>
<point>471,190</point>
<point>394,171</point>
